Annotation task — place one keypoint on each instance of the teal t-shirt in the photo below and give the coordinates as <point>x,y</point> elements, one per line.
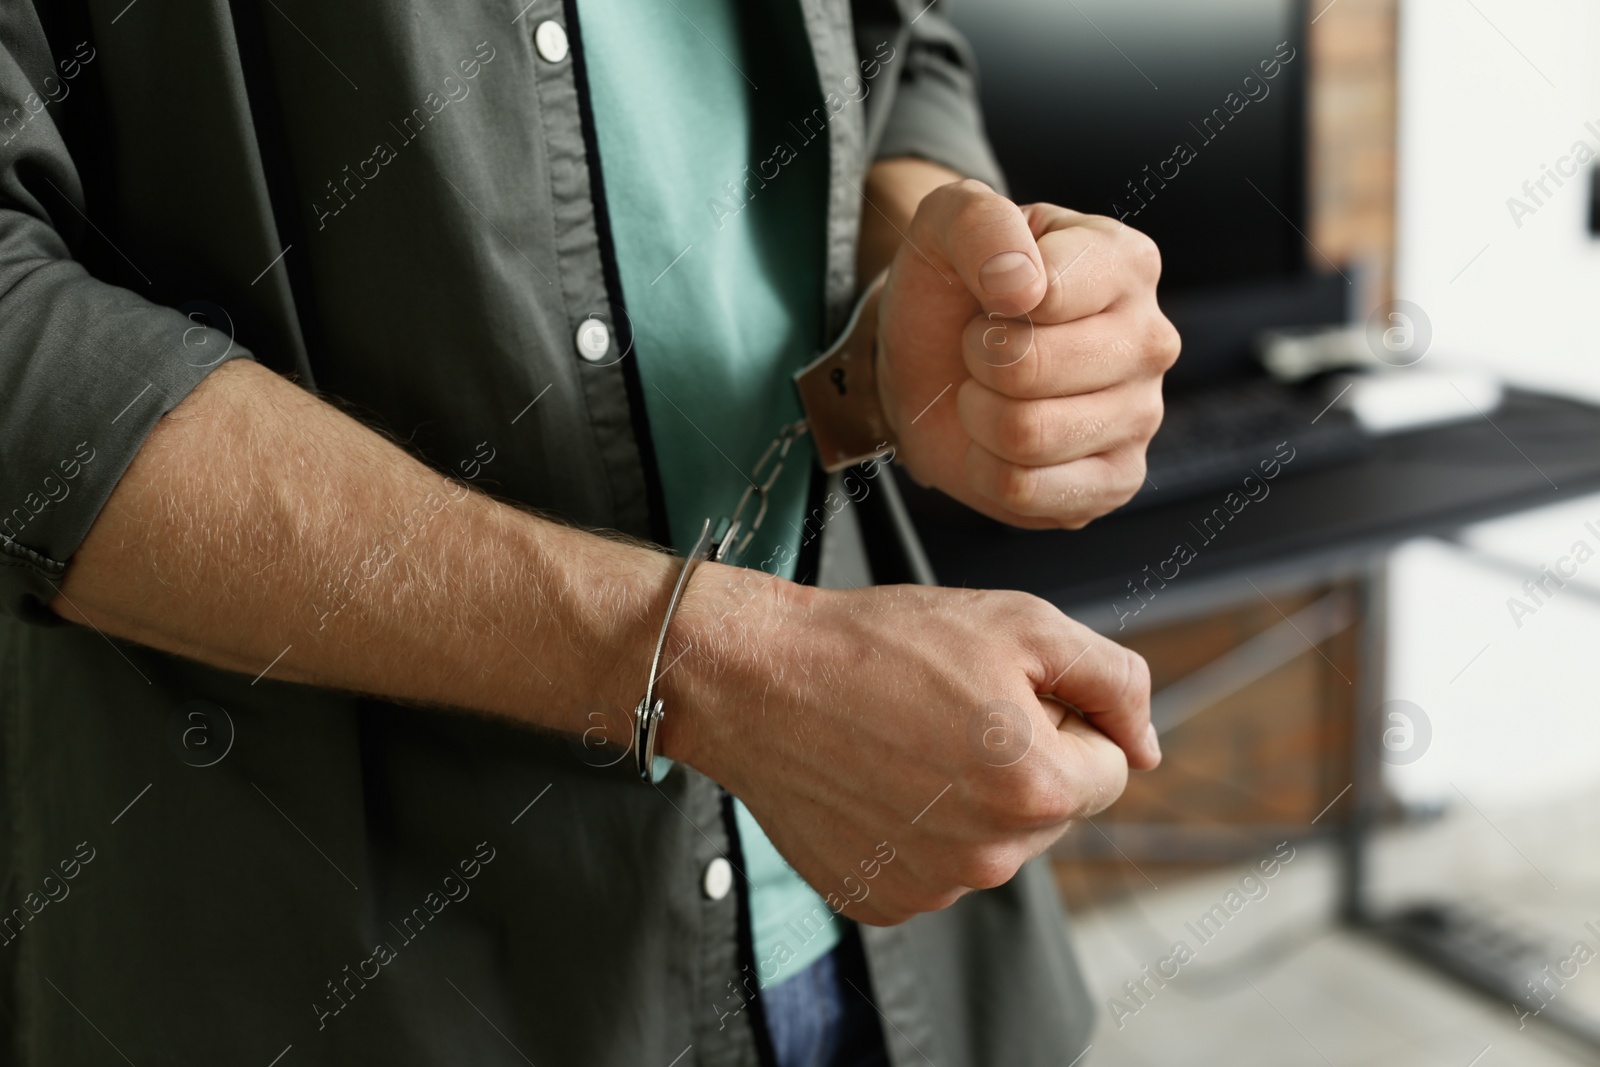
<point>718,209</point>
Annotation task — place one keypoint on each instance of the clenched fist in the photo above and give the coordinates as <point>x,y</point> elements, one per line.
<point>959,731</point>
<point>1021,354</point>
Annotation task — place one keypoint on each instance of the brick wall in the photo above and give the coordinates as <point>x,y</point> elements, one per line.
<point>1352,165</point>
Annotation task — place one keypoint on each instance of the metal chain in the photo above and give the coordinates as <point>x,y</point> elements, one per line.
<point>759,486</point>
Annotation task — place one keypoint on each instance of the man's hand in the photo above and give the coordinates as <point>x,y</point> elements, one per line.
<point>892,741</point>
<point>1022,355</point>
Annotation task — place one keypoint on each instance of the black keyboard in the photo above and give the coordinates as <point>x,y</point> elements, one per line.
<point>1212,437</point>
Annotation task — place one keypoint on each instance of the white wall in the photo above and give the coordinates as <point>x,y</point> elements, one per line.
<point>1477,119</point>
<point>1513,698</point>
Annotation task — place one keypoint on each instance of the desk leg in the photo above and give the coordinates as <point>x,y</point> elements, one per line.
<point>1489,957</point>
<point>1365,742</point>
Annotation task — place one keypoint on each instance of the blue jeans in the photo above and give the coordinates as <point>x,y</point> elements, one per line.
<point>824,1016</point>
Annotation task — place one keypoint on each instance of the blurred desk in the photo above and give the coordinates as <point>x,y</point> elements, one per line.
<point>1324,526</point>
<point>1314,526</point>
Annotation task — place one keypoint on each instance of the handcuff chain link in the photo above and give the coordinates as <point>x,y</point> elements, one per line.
<point>761,488</point>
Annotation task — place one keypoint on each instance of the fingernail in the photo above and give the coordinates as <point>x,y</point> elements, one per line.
<point>1006,273</point>
<point>1155,741</point>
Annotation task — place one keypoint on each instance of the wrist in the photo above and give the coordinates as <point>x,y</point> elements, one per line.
<point>839,391</point>
<point>725,649</point>
<point>603,601</point>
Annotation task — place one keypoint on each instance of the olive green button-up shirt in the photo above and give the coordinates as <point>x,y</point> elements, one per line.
<point>398,204</point>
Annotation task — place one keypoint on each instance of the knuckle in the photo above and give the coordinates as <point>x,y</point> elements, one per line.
<point>1017,487</point>
<point>1011,340</point>
<point>1172,341</point>
<point>1133,689</point>
<point>948,205</point>
<point>1023,796</point>
<point>1152,408</point>
<point>1143,254</point>
<point>1137,469</point>
<point>1027,377</point>
<point>999,375</point>
<point>974,205</point>
<point>1162,343</point>
<point>1023,430</point>
<point>1102,796</point>
<point>1129,483</point>
<point>1046,798</point>
<point>1125,478</point>
<point>938,900</point>
<point>988,867</point>
<point>1036,617</point>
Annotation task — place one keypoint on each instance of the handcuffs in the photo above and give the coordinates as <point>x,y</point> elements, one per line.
<point>839,394</point>
<point>647,716</point>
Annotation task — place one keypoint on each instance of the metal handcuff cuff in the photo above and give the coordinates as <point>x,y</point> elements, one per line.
<point>839,393</point>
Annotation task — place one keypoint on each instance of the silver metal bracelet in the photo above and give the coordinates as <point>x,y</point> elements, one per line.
<point>647,716</point>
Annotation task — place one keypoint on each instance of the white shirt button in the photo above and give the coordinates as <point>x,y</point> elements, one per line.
<point>550,38</point>
<point>718,879</point>
<point>594,340</point>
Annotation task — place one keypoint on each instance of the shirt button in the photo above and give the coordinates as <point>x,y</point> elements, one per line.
<point>718,879</point>
<point>594,336</point>
<point>550,38</point>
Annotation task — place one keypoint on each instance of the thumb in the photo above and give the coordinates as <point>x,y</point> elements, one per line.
<point>986,241</point>
<point>1108,685</point>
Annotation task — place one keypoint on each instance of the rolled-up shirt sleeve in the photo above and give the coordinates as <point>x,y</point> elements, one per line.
<point>86,367</point>
<point>935,115</point>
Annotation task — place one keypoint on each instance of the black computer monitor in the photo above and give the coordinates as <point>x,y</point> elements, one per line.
<point>1185,118</point>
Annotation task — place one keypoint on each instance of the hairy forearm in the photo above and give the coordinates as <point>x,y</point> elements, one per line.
<point>257,520</point>
<point>261,530</point>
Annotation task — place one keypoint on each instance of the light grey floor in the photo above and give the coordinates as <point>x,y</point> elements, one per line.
<point>1281,985</point>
